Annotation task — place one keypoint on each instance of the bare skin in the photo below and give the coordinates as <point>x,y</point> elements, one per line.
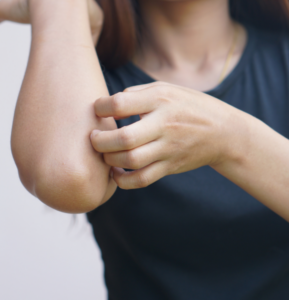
<point>18,11</point>
<point>54,116</point>
<point>193,48</point>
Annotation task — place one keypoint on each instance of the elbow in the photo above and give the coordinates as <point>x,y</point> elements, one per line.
<point>70,191</point>
<point>63,181</point>
<point>66,189</point>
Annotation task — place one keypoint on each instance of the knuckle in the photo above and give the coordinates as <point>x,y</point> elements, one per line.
<point>132,160</point>
<point>126,137</point>
<point>163,92</point>
<point>116,103</point>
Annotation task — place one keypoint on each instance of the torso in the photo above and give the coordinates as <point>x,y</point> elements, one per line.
<point>197,235</point>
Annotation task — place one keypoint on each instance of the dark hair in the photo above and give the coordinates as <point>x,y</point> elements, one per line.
<point>122,29</point>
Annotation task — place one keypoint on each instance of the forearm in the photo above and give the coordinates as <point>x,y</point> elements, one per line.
<point>54,114</point>
<point>259,163</point>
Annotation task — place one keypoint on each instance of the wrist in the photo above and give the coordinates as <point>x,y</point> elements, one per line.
<point>64,22</point>
<point>49,13</point>
<point>235,139</point>
<point>52,8</point>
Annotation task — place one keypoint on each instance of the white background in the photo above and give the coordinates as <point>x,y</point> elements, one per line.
<point>44,254</point>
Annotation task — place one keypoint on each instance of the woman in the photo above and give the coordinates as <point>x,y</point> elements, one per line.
<point>217,123</point>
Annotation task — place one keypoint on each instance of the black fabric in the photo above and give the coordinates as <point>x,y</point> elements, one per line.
<point>197,235</point>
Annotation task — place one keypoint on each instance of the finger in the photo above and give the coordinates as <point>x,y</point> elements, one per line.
<point>123,105</point>
<point>139,178</point>
<point>137,158</point>
<point>145,86</point>
<point>126,138</point>
<point>139,88</point>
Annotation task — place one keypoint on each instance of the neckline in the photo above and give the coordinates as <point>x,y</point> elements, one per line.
<point>226,83</point>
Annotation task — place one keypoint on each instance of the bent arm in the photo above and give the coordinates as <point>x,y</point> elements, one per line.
<point>54,114</point>
<point>259,163</point>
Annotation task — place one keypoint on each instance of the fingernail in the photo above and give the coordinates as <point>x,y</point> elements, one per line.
<point>95,132</point>
<point>111,173</point>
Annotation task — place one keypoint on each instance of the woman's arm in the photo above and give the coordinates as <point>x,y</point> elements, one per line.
<point>181,130</point>
<point>259,163</point>
<point>54,114</point>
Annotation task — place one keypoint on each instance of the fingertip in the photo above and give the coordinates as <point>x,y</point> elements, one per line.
<point>95,103</point>
<point>118,171</point>
<point>117,174</point>
<point>98,104</point>
<point>94,133</point>
<point>97,99</point>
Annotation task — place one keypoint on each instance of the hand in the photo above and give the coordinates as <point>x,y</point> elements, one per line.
<point>14,10</point>
<point>180,130</point>
<point>18,11</point>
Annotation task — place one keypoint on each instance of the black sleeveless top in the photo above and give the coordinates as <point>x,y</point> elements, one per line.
<point>196,235</point>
